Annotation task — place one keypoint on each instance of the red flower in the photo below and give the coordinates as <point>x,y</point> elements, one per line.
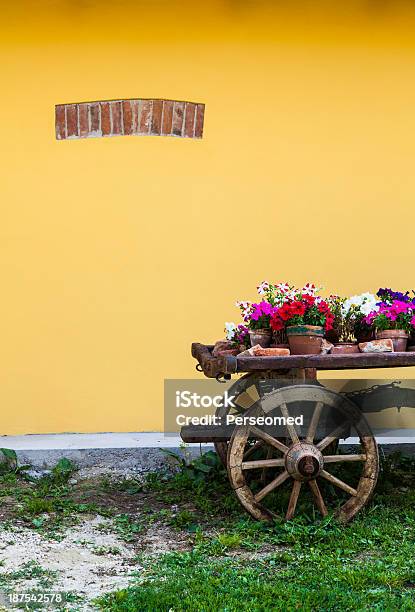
<point>285,312</point>
<point>323,307</point>
<point>309,299</point>
<point>276,322</point>
<point>329,321</point>
<point>298,308</point>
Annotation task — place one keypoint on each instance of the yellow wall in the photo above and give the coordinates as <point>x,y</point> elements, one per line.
<point>116,253</point>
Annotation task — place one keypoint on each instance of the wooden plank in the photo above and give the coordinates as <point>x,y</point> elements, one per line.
<point>206,433</point>
<point>308,363</point>
<point>327,362</point>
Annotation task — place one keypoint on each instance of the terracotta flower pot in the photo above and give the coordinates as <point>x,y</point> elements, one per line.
<point>260,336</point>
<point>333,336</point>
<point>399,338</point>
<point>364,336</point>
<point>345,348</point>
<point>305,339</point>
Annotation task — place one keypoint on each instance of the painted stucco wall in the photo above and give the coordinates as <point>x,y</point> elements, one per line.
<point>116,253</point>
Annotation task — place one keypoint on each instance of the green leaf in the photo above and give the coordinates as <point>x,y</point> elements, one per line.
<point>10,457</point>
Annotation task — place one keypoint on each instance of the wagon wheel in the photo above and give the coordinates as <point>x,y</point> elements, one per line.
<point>303,464</point>
<point>246,393</point>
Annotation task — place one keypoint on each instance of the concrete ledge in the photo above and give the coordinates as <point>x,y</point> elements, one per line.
<point>95,440</point>
<point>118,452</point>
<point>137,452</point>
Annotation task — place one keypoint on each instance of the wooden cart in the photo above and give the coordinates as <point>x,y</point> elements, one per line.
<point>262,467</point>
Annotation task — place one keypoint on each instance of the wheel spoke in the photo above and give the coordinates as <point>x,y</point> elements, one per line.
<point>270,452</point>
<point>312,428</point>
<point>338,483</point>
<point>293,499</point>
<point>291,429</point>
<point>272,485</point>
<point>338,458</point>
<point>318,498</point>
<point>337,433</point>
<point>262,463</point>
<point>269,439</point>
<point>253,449</point>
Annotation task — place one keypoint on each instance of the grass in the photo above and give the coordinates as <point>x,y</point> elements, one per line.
<point>239,564</point>
<point>231,562</point>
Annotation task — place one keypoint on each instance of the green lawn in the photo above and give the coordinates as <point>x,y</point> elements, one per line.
<point>239,564</point>
<point>223,559</point>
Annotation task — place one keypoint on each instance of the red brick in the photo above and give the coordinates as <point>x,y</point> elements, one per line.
<point>189,120</point>
<point>105,118</point>
<point>178,112</point>
<point>156,118</point>
<point>60,126</point>
<point>94,117</point>
<point>200,116</point>
<point>167,117</point>
<point>116,118</point>
<point>145,116</point>
<point>127,116</point>
<point>72,120</point>
<point>83,120</point>
<point>135,111</point>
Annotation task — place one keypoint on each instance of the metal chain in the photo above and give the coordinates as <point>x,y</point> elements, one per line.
<point>360,392</point>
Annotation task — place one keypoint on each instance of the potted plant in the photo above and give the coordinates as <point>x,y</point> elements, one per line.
<point>257,316</point>
<point>305,318</point>
<point>354,311</point>
<point>342,333</point>
<point>276,295</point>
<point>260,331</point>
<point>238,338</point>
<point>394,318</point>
<point>335,303</point>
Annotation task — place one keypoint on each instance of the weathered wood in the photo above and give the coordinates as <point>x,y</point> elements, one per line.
<point>247,394</point>
<point>312,428</point>
<point>245,480</point>
<point>325,362</point>
<point>302,366</point>
<point>272,485</point>
<point>262,463</point>
<point>295,492</point>
<point>338,483</point>
<point>195,434</point>
<point>343,458</point>
<point>318,498</point>
<point>203,354</point>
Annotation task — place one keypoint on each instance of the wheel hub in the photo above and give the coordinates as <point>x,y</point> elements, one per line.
<point>304,461</point>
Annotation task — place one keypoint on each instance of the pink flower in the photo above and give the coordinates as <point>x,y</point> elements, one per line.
<point>260,310</point>
<point>370,317</point>
<point>266,308</point>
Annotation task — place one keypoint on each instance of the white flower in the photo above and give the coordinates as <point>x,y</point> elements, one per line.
<point>309,289</point>
<point>246,308</point>
<point>263,288</point>
<point>363,303</point>
<point>283,287</point>
<point>230,329</point>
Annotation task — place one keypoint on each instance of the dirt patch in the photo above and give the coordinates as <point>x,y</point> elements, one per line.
<point>90,559</point>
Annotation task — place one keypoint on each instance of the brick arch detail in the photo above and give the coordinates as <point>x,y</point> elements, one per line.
<point>133,117</point>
